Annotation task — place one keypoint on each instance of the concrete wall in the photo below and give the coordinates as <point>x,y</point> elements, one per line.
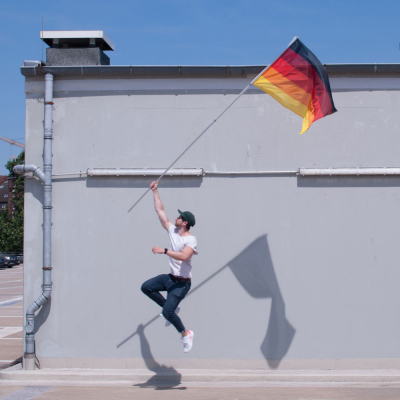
<point>288,268</point>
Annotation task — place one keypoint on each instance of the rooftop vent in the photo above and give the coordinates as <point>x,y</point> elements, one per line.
<point>76,47</point>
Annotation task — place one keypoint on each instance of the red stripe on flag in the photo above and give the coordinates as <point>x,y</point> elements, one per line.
<point>298,70</point>
<point>297,76</point>
<point>321,99</point>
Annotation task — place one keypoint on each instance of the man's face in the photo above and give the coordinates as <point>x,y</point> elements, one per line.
<point>179,222</point>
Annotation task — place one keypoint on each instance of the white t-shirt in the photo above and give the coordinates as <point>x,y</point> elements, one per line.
<point>177,243</point>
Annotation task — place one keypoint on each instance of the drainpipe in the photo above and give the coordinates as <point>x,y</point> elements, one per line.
<point>21,169</point>
<point>45,177</point>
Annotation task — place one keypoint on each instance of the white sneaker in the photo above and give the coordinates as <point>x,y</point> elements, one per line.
<point>187,341</point>
<point>167,323</point>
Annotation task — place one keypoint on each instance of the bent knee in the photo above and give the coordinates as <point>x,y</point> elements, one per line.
<point>167,314</point>
<point>145,289</point>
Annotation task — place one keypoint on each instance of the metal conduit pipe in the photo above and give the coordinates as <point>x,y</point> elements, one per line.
<point>29,356</point>
<point>377,171</point>
<point>143,172</point>
<point>21,169</point>
<point>245,173</point>
<point>348,171</point>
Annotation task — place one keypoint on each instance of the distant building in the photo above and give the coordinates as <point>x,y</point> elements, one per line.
<point>4,192</point>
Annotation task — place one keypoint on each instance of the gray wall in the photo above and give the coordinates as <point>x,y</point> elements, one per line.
<point>288,267</point>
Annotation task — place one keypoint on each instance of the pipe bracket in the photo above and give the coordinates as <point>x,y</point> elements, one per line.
<point>29,328</point>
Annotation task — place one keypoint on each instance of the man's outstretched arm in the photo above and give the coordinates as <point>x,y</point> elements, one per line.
<point>183,255</point>
<point>158,205</point>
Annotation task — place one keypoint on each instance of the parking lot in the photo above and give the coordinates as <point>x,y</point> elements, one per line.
<point>11,315</point>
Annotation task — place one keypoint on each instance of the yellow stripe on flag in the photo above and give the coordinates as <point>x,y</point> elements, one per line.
<point>306,122</point>
<point>308,118</point>
<point>280,96</point>
<point>287,86</point>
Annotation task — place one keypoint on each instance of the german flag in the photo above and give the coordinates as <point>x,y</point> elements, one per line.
<point>300,83</point>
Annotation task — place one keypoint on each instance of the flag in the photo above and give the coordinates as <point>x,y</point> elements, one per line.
<point>300,83</point>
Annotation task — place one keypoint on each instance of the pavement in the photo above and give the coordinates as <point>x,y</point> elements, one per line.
<point>11,315</point>
<point>17,384</point>
<point>61,392</point>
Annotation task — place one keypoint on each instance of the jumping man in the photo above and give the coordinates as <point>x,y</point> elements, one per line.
<point>182,246</point>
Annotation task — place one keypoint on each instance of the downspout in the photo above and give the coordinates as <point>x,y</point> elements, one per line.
<point>21,169</point>
<point>45,177</point>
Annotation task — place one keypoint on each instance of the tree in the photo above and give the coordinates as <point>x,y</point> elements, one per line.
<point>12,221</point>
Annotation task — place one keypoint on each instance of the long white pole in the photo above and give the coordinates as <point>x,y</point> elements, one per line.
<point>212,123</point>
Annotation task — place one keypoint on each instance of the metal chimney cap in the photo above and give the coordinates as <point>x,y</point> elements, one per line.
<point>77,38</point>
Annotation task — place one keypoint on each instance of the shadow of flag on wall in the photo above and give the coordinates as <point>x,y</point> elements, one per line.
<point>254,270</point>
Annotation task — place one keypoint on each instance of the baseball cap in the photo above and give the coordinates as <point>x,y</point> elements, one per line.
<point>189,217</point>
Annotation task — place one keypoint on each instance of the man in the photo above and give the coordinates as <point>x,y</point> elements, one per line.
<point>182,246</point>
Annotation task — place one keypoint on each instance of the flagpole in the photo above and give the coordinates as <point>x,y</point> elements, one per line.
<point>213,122</point>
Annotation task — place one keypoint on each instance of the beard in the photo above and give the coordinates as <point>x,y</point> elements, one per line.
<point>179,223</point>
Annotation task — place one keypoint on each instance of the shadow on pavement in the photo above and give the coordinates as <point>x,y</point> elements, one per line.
<point>165,378</point>
<point>11,363</point>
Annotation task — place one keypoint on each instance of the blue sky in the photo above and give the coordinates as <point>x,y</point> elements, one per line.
<point>193,32</point>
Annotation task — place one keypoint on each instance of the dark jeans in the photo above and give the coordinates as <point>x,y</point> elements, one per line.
<point>176,292</point>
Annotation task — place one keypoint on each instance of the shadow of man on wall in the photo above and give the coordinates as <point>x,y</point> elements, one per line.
<point>165,377</point>
<point>254,270</point>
